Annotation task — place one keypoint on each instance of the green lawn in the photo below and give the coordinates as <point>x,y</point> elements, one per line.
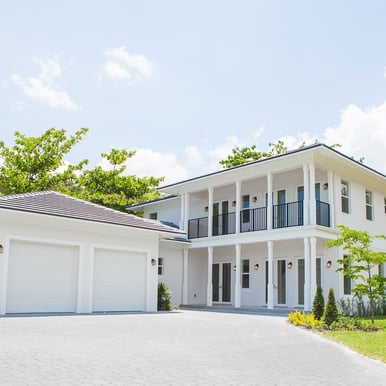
<point>371,344</point>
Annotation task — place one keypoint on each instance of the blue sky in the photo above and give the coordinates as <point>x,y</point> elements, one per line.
<point>185,81</point>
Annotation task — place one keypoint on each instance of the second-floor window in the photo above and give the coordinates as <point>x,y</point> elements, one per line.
<point>245,274</point>
<point>369,205</point>
<point>345,197</point>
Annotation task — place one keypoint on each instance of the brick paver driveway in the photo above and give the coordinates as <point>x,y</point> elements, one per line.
<point>178,348</point>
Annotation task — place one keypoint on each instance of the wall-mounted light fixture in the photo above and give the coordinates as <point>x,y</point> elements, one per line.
<point>325,186</point>
<point>289,265</point>
<point>256,267</point>
<point>206,209</point>
<point>153,262</point>
<point>1,249</point>
<point>233,203</point>
<point>234,268</point>
<point>254,199</point>
<point>328,264</point>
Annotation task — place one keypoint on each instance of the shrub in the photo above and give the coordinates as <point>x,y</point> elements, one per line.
<point>318,305</point>
<point>330,314</point>
<point>164,298</point>
<point>302,319</point>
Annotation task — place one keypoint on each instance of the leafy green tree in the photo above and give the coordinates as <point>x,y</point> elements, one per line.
<point>330,314</point>
<point>360,263</point>
<point>111,187</point>
<point>243,155</point>
<point>318,304</point>
<point>36,163</point>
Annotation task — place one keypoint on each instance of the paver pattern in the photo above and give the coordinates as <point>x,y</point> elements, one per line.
<point>178,348</point>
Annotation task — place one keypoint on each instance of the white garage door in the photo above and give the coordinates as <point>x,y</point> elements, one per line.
<point>41,277</point>
<point>119,281</point>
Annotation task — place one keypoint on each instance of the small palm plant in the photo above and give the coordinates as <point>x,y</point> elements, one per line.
<point>164,298</point>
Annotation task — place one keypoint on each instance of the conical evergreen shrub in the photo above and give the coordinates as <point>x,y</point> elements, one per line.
<point>330,314</point>
<point>318,304</point>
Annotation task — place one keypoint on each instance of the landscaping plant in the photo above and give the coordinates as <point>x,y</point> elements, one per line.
<point>164,298</point>
<point>330,314</point>
<point>318,304</point>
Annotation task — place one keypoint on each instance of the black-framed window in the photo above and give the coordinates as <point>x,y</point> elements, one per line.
<point>245,274</point>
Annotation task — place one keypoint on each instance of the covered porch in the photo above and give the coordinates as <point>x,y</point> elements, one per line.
<point>280,274</point>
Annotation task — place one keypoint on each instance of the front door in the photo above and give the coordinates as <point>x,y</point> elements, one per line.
<point>221,282</point>
<point>280,284</point>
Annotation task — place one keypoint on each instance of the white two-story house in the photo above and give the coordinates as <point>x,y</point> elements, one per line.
<point>257,231</point>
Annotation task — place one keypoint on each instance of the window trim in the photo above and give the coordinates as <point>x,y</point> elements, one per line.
<point>345,197</point>
<point>161,266</point>
<point>369,205</point>
<point>245,273</point>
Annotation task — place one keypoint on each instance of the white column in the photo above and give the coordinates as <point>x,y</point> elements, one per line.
<point>4,278</point>
<point>182,214</point>
<point>238,273</point>
<point>209,289</point>
<point>269,201</point>
<point>210,212</point>
<point>312,195</point>
<point>331,198</point>
<point>185,278</point>
<point>307,278</point>
<point>270,275</point>
<point>238,196</point>
<point>186,211</point>
<point>313,269</point>
<point>306,201</point>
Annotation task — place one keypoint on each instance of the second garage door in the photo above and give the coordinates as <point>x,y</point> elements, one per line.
<point>119,280</point>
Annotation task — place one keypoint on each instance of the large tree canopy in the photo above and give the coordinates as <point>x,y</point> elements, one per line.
<point>37,163</point>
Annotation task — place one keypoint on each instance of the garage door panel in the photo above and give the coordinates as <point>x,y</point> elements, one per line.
<point>119,281</point>
<point>42,277</point>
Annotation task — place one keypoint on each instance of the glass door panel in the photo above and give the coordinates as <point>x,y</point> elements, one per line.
<point>226,282</point>
<point>281,282</point>
<point>215,282</point>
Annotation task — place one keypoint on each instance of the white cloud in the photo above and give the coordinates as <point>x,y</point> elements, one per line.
<point>45,86</point>
<point>362,133</point>
<point>125,66</point>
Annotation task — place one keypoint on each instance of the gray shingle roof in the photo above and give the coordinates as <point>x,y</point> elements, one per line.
<point>57,204</point>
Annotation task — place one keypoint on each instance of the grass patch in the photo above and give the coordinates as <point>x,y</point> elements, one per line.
<point>371,344</point>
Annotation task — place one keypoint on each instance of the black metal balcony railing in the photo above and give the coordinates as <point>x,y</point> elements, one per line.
<point>198,227</point>
<point>251,220</point>
<point>322,213</point>
<point>288,215</point>
<point>224,224</point>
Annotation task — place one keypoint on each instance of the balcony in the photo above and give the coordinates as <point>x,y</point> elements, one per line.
<point>252,220</point>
